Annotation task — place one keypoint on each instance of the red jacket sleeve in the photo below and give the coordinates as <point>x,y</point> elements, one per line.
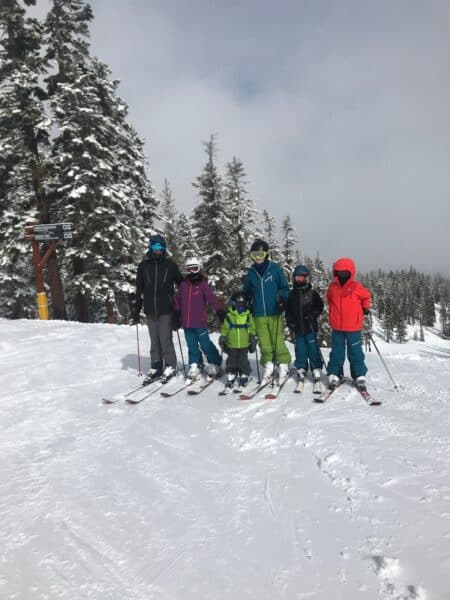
<point>365,296</point>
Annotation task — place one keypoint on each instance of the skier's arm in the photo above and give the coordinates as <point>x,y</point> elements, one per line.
<point>365,297</point>
<point>317,303</point>
<point>139,289</point>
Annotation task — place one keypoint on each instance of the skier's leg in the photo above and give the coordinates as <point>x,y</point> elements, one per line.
<point>281,353</point>
<point>244,363</point>
<point>355,354</point>
<point>301,352</point>
<point>337,355</point>
<point>155,343</point>
<point>264,340</point>
<point>313,351</point>
<point>194,355</point>
<point>208,348</point>
<point>166,340</point>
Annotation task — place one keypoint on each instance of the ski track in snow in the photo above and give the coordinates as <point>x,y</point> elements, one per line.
<point>209,497</point>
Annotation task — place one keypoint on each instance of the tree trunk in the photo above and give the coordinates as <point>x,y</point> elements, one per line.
<point>81,301</point>
<point>56,288</point>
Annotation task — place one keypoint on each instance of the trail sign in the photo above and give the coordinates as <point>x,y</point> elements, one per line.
<point>52,231</point>
<point>44,232</point>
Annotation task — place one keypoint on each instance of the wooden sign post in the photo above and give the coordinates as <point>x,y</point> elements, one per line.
<point>36,233</point>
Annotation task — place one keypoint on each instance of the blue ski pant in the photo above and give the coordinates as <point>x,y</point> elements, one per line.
<point>198,338</point>
<point>340,341</point>
<point>307,349</point>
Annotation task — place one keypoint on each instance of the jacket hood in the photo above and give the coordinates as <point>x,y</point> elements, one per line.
<point>345,264</point>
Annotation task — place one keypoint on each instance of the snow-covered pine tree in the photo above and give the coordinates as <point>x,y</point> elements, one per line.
<point>269,233</point>
<point>243,218</point>
<point>169,216</point>
<point>320,280</point>
<point>186,242</point>
<point>99,173</point>
<point>212,222</point>
<point>24,131</point>
<point>289,243</point>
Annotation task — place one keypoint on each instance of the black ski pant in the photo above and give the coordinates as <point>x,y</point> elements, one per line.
<point>161,342</point>
<point>237,361</point>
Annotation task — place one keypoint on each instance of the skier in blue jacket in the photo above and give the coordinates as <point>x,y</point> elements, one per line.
<point>267,289</point>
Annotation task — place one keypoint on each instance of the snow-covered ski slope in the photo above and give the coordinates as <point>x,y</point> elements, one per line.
<point>206,497</point>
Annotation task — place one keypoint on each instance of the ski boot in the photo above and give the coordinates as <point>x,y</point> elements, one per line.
<point>154,373</point>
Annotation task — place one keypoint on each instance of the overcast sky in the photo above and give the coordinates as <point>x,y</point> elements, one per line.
<point>339,111</point>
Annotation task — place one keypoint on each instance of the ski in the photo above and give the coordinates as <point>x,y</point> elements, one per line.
<point>134,391</point>
<point>252,392</point>
<point>323,397</point>
<point>197,389</point>
<point>147,391</point>
<point>274,393</point>
<point>367,397</point>
<point>172,390</point>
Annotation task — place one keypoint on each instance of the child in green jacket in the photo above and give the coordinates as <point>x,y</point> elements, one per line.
<point>237,338</point>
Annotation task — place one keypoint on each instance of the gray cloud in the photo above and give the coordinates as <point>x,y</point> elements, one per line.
<point>339,111</point>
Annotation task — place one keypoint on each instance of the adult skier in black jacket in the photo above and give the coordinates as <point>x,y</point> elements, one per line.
<point>155,279</point>
<point>304,305</point>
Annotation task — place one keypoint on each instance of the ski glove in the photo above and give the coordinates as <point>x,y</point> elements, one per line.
<point>366,311</point>
<point>281,303</point>
<point>135,317</point>
<point>223,343</point>
<point>252,345</point>
<point>221,314</point>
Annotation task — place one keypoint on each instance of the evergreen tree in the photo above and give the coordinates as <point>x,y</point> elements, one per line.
<point>24,133</point>
<point>320,280</point>
<point>288,245</point>
<point>212,222</point>
<point>243,217</point>
<point>169,216</point>
<point>186,242</point>
<point>99,173</point>
<point>269,233</point>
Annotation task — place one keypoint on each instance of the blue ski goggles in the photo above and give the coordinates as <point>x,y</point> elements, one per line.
<point>157,247</point>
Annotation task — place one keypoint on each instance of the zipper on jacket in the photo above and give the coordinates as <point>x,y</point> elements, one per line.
<point>262,289</point>
<point>189,304</point>
<point>154,290</point>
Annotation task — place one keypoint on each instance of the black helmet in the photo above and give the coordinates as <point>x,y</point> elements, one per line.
<point>238,301</point>
<point>259,245</point>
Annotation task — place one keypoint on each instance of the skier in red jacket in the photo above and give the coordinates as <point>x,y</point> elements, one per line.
<point>348,302</point>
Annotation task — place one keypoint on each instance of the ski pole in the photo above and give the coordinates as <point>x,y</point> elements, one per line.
<point>138,351</point>
<point>257,364</point>
<point>274,353</point>
<point>181,352</point>
<point>382,360</point>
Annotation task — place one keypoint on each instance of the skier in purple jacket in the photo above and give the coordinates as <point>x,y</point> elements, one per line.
<point>193,295</point>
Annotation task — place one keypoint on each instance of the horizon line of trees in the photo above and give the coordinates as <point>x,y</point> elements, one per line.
<point>69,153</point>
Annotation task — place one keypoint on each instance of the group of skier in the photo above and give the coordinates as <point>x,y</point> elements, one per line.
<point>253,315</point>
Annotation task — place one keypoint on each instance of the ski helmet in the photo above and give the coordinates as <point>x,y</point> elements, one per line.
<point>193,265</point>
<point>259,250</point>
<point>300,275</point>
<point>238,301</point>
<point>259,244</point>
<point>157,244</point>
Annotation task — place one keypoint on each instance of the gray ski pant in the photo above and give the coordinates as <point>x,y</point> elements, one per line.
<point>237,360</point>
<point>161,342</point>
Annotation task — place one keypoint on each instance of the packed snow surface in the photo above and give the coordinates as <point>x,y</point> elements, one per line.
<point>208,497</point>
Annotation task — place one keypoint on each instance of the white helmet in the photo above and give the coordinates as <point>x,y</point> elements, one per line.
<point>193,264</point>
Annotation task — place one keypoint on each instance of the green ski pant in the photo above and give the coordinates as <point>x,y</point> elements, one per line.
<point>271,340</point>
